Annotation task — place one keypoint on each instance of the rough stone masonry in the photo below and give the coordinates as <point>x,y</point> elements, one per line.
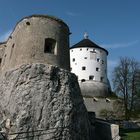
<point>42,102</point>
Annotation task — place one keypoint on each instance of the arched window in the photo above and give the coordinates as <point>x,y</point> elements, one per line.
<point>50,45</point>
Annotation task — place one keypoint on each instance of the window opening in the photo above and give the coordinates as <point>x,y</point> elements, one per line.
<point>73,59</point>
<point>102,78</point>
<point>91,77</point>
<point>103,62</point>
<point>27,23</point>
<point>107,100</point>
<point>95,99</point>
<point>83,68</point>
<point>85,57</point>
<point>83,80</point>
<point>80,49</point>
<point>97,69</point>
<point>98,59</point>
<point>49,46</point>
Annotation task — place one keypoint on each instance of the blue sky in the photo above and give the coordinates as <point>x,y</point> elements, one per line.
<point>112,24</point>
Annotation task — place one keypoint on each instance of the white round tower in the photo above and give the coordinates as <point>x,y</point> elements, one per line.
<point>89,62</point>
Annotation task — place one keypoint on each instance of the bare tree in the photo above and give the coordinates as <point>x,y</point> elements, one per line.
<point>126,83</point>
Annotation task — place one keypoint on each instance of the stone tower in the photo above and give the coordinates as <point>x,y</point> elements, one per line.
<point>89,62</point>
<point>37,39</point>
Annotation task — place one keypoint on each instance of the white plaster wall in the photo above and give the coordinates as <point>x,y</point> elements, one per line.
<point>79,54</point>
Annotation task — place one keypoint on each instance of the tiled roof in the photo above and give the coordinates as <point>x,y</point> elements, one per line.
<point>87,43</point>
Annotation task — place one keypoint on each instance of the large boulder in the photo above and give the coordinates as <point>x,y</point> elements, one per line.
<point>43,102</point>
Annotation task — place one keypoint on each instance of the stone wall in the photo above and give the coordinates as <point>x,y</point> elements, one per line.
<point>94,89</point>
<point>106,131</point>
<point>98,104</point>
<point>26,43</point>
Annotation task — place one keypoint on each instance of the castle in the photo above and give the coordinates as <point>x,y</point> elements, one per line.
<point>89,63</point>
<point>45,39</point>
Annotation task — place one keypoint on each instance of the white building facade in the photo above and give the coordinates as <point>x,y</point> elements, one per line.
<point>89,62</point>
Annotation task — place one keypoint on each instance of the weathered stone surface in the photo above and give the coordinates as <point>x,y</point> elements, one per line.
<point>44,102</point>
<point>27,43</point>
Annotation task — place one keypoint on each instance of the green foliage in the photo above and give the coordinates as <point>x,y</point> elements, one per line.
<point>130,134</point>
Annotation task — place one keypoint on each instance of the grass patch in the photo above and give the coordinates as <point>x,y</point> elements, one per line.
<point>130,134</point>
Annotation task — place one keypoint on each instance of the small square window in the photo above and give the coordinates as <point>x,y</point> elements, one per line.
<point>83,68</point>
<point>71,50</point>
<point>49,46</point>
<point>73,60</point>
<point>91,77</point>
<point>97,69</point>
<point>103,62</point>
<point>87,49</point>
<point>83,80</point>
<point>102,78</point>
<point>80,49</point>
<point>98,59</point>
<point>85,57</point>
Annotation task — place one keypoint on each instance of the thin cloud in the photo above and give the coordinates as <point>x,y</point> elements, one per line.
<point>120,45</point>
<point>73,14</point>
<point>5,36</point>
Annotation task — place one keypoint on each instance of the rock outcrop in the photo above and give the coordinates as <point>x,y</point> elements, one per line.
<point>42,102</point>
